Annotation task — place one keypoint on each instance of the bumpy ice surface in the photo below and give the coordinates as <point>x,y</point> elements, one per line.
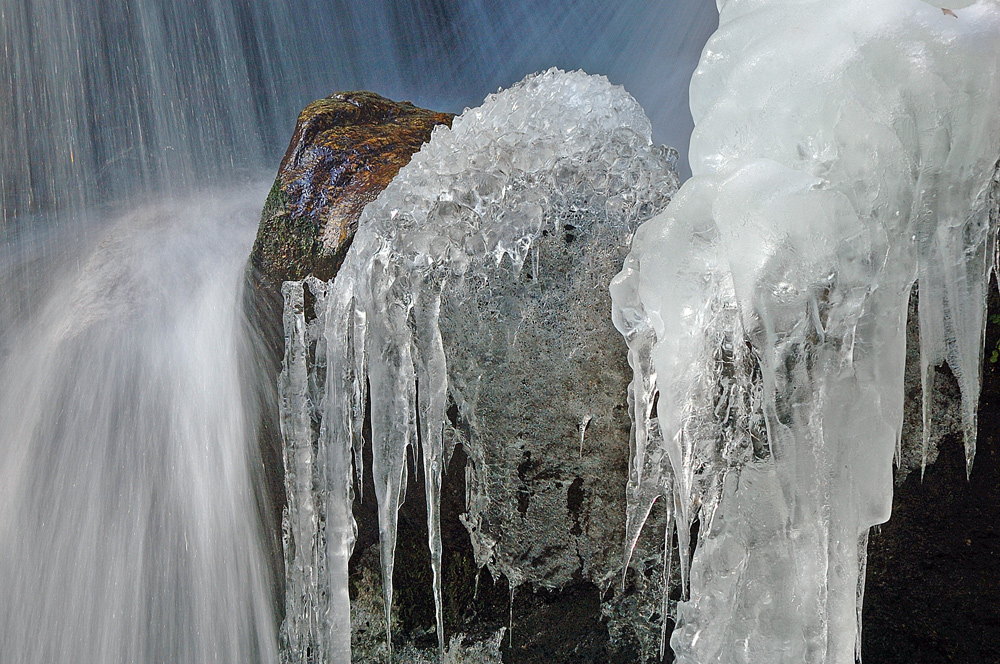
<point>842,150</point>
<point>476,195</point>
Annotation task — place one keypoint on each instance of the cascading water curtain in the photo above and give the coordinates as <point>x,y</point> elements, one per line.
<point>127,514</point>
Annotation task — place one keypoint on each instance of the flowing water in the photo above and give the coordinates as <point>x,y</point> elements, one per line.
<point>128,515</point>
<point>129,525</point>
<point>111,100</point>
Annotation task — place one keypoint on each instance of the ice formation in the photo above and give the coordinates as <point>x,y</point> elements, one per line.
<point>477,196</point>
<point>842,151</point>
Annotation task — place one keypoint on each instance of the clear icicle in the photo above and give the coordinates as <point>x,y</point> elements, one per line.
<point>668,563</point>
<point>302,631</point>
<point>336,436</point>
<point>359,395</point>
<point>432,379</point>
<point>926,402</point>
<point>510,617</point>
<point>649,477</point>
<point>318,477</point>
<point>860,602</point>
<point>393,390</point>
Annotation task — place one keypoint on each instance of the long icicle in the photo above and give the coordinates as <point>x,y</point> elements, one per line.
<point>668,563</point>
<point>393,391</point>
<point>432,381</point>
<point>335,440</point>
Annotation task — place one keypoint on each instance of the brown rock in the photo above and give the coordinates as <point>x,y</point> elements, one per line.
<point>345,150</point>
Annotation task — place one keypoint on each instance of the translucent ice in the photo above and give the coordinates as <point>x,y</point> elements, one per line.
<point>477,196</point>
<point>842,150</point>
<point>319,528</point>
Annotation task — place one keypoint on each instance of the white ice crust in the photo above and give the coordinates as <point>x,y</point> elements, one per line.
<point>487,187</point>
<point>842,150</point>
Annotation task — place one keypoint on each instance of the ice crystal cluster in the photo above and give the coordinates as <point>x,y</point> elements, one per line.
<point>470,206</point>
<point>843,151</point>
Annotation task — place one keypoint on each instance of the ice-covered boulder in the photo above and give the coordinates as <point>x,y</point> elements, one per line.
<point>472,309</point>
<point>343,152</point>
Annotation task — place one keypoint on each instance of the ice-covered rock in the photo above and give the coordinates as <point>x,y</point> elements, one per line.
<point>343,152</point>
<point>841,151</point>
<point>473,294</point>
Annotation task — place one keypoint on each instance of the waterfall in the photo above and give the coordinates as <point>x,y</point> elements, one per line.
<point>127,509</point>
<point>118,99</point>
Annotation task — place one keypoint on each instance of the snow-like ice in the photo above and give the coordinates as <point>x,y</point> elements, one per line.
<point>842,151</point>
<point>478,194</point>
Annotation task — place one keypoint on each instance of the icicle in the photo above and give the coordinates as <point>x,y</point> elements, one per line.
<point>304,629</point>
<point>668,560</point>
<point>510,621</point>
<point>359,395</point>
<point>648,476</point>
<point>392,383</point>
<point>336,436</point>
<point>860,602</point>
<point>683,543</point>
<point>300,630</point>
<point>970,426</point>
<point>432,377</point>
<point>318,476</point>
<point>931,343</point>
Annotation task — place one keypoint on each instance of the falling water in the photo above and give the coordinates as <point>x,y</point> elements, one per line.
<point>114,99</point>
<point>126,506</point>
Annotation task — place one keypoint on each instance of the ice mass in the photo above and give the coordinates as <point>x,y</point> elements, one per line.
<point>845,155</point>
<point>841,154</point>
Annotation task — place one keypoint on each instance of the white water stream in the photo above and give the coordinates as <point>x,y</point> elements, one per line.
<point>127,511</point>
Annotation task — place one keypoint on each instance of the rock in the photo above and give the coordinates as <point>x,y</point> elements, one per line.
<point>344,151</point>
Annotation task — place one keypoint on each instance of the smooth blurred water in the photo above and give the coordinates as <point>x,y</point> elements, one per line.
<point>127,514</point>
<point>129,522</point>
